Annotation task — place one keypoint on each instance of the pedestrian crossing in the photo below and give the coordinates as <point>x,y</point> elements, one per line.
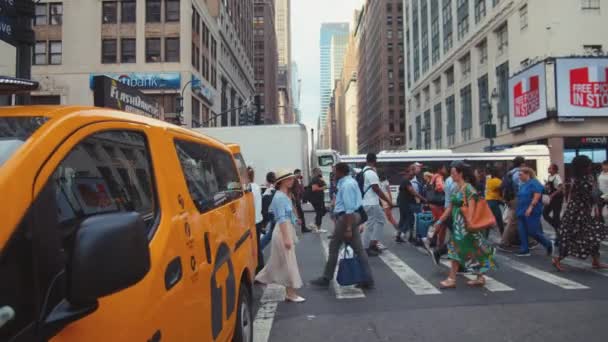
<point>342,292</point>
<point>414,280</point>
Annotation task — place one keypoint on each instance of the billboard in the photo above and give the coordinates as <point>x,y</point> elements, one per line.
<point>144,80</point>
<point>528,96</point>
<point>109,93</point>
<point>582,87</point>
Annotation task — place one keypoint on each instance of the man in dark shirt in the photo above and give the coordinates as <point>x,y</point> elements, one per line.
<point>318,187</point>
<point>406,200</point>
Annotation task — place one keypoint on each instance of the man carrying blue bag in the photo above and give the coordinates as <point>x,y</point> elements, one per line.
<point>347,209</point>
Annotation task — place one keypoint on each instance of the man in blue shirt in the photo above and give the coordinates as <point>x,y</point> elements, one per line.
<point>348,204</point>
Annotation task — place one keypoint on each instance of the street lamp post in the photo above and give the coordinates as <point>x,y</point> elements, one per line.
<point>490,128</point>
<point>180,103</point>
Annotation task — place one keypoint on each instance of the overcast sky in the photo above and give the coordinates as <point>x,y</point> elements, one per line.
<point>306,19</point>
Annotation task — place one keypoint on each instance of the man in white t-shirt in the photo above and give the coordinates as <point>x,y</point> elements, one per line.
<point>371,203</point>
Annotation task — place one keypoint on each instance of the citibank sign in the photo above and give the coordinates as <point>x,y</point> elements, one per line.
<point>139,80</point>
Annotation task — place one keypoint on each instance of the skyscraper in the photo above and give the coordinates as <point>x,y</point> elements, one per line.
<point>265,61</point>
<point>328,31</point>
<point>283,28</point>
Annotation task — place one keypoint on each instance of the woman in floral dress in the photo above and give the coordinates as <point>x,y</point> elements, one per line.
<point>580,233</point>
<point>466,249</point>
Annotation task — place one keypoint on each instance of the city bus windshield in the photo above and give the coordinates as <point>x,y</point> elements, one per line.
<point>14,132</point>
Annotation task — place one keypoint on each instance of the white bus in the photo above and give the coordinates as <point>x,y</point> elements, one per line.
<point>392,163</point>
<point>326,159</point>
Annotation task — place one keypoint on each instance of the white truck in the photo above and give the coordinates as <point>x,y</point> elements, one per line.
<point>268,147</point>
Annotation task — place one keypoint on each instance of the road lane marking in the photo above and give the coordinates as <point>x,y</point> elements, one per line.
<point>584,266</point>
<point>541,275</point>
<point>492,284</point>
<point>411,279</point>
<point>262,325</point>
<point>342,292</point>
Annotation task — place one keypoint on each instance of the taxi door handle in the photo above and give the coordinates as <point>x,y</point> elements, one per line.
<point>156,337</point>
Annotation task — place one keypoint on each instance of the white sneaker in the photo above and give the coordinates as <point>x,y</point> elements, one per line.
<point>313,226</point>
<point>296,299</point>
<point>427,245</point>
<point>321,231</point>
<point>381,246</point>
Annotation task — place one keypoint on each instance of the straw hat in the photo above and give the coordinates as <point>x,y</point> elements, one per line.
<point>282,175</point>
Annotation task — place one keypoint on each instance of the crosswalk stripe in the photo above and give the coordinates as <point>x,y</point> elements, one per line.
<point>342,292</point>
<point>541,275</point>
<point>492,284</point>
<point>412,279</point>
<point>584,266</point>
<point>262,325</point>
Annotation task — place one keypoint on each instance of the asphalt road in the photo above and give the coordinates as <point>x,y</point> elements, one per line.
<point>525,300</point>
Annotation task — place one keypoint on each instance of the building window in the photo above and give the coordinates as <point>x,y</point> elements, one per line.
<point>40,53</point>
<point>41,15</point>
<point>424,31</point>
<point>108,12</point>
<point>523,17</point>
<point>448,25</point>
<point>450,109</point>
<point>438,125</point>
<point>463,18</point>
<point>127,50</point>
<point>590,4</point>
<point>127,11</point>
<point>427,130</point>
<point>389,20</point>
<point>466,109</point>
<point>435,54</point>
<point>172,10</point>
<point>418,132</point>
<point>56,13</point>
<point>172,49</point>
<point>502,39</point>
<point>502,80</point>
<point>153,11</point>
<point>593,49</point>
<point>196,113</point>
<point>465,66</point>
<point>480,10</point>
<point>153,50</point>
<point>449,76</point>
<point>108,51</point>
<point>389,34</point>
<point>437,85</point>
<point>55,49</point>
<point>416,40</point>
<point>482,52</point>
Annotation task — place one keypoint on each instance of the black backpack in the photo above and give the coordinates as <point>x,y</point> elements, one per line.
<point>507,186</point>
<point>360,178</point>
<point>266,201</point>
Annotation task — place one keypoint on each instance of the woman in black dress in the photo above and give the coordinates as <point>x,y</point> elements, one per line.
<point>581,234</point>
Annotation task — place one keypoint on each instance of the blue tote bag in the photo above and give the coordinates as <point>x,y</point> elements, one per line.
<point>350,271</point>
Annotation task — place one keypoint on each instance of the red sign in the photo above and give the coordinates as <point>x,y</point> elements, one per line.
<point>589,87</point>
<point>526,96</point>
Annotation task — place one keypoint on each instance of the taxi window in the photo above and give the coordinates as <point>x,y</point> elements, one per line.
<point>210,175</point>
<point>14,131</point>
<point>106,172</point>
<point>242,167</point>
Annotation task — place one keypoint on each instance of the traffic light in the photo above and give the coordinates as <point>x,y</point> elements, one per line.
<point>243,119</point>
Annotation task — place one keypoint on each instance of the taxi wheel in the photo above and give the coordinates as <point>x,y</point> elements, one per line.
<point>244,321</point>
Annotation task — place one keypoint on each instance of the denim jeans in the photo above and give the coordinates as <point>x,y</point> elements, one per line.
<point>268,236</point>
<point>495,206</point>
<point>530,226</point>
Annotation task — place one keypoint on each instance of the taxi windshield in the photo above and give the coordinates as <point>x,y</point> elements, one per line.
<point>14,131</point>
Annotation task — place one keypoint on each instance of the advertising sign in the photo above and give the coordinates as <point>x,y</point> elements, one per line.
<point>110,93</point>
<point>582,87</point>
<point>528,96</point>
<point>144,80</point>
<point>199,88</point>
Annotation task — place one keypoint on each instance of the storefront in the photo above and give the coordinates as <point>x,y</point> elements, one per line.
<point>596,148</point>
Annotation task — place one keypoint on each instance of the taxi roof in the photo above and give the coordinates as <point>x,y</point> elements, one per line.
<point>56,112</point>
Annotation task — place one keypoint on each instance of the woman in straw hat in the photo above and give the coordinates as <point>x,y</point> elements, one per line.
<point>282,266</point>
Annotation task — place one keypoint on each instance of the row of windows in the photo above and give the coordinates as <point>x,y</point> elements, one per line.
<point>127,53</point>
<point>47,52</point>
<point>48,13</point>
<point>154,9</point>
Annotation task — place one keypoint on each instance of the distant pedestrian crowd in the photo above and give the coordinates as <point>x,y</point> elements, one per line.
<point>450,211</point>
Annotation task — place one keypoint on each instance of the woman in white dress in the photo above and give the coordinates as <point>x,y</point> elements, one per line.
<point>282,266</point>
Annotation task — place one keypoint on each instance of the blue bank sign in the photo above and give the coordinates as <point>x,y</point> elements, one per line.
<point>145,80</point>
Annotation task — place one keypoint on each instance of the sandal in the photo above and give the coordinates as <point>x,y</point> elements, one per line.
<point>448,284</point>
<point>479,282</point>
<point>557,264</point>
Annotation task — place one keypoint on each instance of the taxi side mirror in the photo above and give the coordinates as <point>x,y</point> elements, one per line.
<point>111,253</point>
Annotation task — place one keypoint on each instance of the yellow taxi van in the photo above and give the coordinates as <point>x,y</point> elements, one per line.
<point>117,227</point>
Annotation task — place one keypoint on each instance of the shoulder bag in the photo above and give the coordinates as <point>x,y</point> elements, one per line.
<point>477,214</point>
